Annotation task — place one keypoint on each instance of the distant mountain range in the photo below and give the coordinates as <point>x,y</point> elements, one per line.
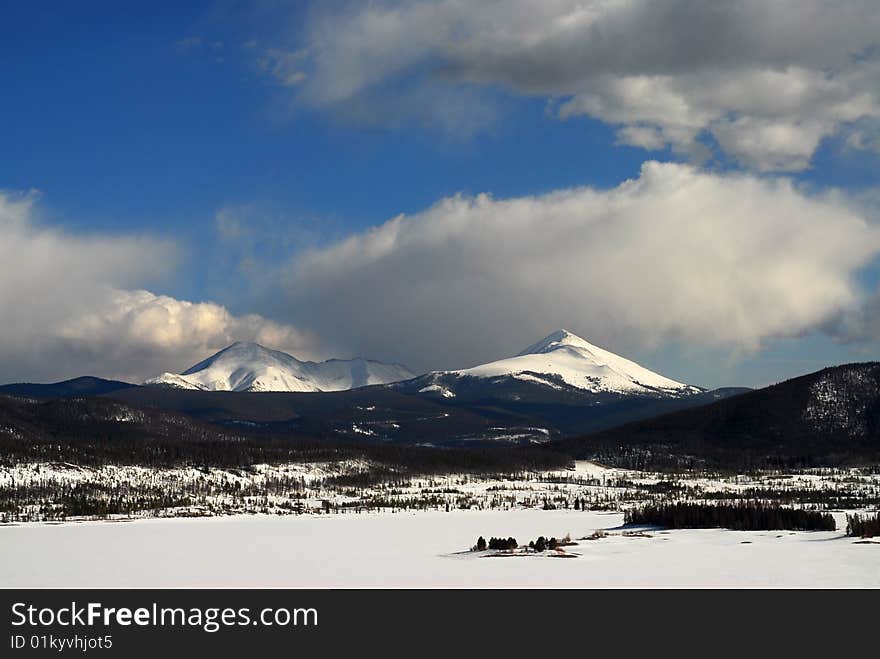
<point>827,418</point>
<point>559,386</point>
<point>559,361</point>
<point>588,402</point>
<point>252,367</point>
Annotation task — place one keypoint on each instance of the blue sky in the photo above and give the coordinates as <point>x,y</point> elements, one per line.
<point>120,124</point>
<point>157,120</point>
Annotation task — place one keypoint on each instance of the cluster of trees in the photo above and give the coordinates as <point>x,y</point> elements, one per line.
<point>543,544</point>
<point>83,505</point>
<point>496,543</point>
<point>540,544</point>
<point>863,527</point>
<point>744,516</point>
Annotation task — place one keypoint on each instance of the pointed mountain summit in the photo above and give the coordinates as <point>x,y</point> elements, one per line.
<point>580,364</point>
<point>561,361</point>
<point>252,367</point>
<point>559,338</point>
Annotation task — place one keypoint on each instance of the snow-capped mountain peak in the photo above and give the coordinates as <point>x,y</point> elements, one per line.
<point>559,338</point>
<point>565,356</point>
<point>244,366</point>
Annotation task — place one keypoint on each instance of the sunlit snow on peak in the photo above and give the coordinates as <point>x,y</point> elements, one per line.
<point>580,364</point>
<point>253,367</point>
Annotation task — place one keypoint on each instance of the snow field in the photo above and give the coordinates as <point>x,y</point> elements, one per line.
<point>420,549</point>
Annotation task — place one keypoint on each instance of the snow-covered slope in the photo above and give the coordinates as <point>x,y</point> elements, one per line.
<point>562,358</point>
<point>579,364</point>
<point>251,367</point>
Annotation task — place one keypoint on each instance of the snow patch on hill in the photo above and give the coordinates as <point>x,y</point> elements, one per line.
<point>437,389</point>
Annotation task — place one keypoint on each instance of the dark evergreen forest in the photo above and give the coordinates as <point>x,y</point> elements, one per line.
<point>743,516</point>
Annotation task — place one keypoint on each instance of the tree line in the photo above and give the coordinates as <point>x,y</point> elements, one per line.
<point>863,526</point>
<point>744,516</point>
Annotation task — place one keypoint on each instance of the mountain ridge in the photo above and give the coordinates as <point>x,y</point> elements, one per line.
<point>85,385</point>
<point>821,418</point>
<point>249,366</point>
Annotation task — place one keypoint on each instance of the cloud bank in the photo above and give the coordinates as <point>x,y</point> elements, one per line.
<point>68,307</point>
<point>764,82</point>
<point>718,261</point>
<point>676,254</point>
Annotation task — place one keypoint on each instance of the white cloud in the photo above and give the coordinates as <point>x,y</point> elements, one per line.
<point>68,308</point>
<point>676,254</point>
<point>146,333</point>
<point>766,119</point>
<point>767,81</point>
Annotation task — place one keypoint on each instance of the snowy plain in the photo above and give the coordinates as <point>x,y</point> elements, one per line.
<point>426,548</point>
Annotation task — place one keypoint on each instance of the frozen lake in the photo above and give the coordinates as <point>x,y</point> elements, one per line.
<point>420,549</point>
